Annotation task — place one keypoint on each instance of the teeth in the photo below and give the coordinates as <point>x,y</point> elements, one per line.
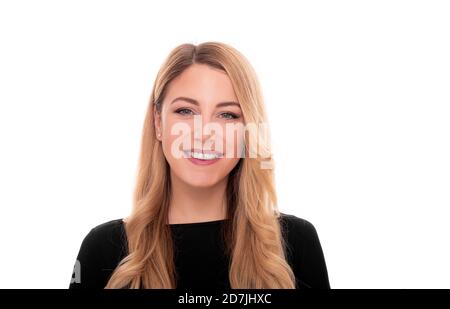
<point>202,156</point>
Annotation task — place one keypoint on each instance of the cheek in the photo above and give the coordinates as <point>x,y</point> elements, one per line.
<point>176,135</point>
<point>228,164</point>
<point>234,144</point>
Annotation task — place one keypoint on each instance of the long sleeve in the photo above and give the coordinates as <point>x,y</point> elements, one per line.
<point>100,253</point>
<point>304,252</point>
<point>312,261</point>
<point>86,273</point>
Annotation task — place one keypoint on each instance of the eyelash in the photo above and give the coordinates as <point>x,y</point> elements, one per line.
<point>179,111</point>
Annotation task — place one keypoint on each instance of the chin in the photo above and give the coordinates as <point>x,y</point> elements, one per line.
<point>201,182</point>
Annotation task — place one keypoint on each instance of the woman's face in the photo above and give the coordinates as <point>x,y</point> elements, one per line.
<point>201,126</point>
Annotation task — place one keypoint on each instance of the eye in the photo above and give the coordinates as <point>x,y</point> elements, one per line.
<point>184,111</point>
<point>229,116</point>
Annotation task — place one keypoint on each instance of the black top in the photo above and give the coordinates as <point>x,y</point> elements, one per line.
<point>200,261</point>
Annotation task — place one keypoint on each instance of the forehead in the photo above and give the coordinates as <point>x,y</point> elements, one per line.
<point>203,83</point>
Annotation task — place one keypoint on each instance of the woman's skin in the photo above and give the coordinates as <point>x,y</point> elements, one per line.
<point>198,191</point>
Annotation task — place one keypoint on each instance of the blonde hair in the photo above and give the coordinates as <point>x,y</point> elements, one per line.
<point>252,235</point>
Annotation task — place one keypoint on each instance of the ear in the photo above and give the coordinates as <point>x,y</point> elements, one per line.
<point>157,120</point>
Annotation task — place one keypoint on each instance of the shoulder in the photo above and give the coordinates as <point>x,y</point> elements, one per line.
<point>104,241</point>
<point>304,251</point>
<point>107,227</point>
<point>299,233</point>
<point>299,228</point>
<point>105,234</point>
<point>100,252</point>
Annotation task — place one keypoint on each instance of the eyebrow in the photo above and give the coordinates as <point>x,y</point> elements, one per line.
<point>195,102</point>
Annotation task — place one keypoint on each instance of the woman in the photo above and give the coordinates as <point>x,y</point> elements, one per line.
<point>205,211</point>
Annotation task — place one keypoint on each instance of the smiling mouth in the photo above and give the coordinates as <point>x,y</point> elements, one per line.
<point>205,155</point>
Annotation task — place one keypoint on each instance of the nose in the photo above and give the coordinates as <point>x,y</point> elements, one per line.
<point>205,132</point>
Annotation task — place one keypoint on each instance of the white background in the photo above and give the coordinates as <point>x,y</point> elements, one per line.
<point>358,94</point>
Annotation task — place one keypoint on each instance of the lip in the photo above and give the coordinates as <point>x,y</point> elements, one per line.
<point>203,162</point>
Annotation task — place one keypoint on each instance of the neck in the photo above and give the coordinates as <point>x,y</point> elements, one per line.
<point>190,204</point>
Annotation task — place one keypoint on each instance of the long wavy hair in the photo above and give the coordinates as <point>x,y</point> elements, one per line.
<point>252,234</point>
